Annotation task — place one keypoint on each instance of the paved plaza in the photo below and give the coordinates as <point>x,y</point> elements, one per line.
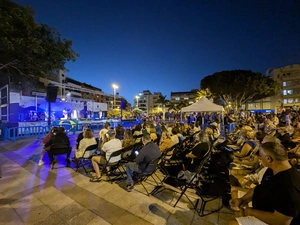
<point>32,194</point>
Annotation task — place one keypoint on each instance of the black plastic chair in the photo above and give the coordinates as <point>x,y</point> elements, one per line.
<point>114,166</point>
<point>143,176</point>
<point>181,186</point>
<point>82,161</point>
<point>60,149</point>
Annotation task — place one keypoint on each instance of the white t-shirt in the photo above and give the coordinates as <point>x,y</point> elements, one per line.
<point>110,147</point>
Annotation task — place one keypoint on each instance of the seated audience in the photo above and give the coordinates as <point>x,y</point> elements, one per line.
<point>194,157</point>
<point>128,139</point>
<point>45,140</point>
<point>120,132</point>
<point>88,140</point>
<point>149,152</point>
<point>276,201</point>
<point>152,133</point>
<point>165,142</point>
<point>108,148</point>
<point>60,138</point>
<point>80,136</point>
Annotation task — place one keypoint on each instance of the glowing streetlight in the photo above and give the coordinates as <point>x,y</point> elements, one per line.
<point>137,101</point>
<point>115,87</point>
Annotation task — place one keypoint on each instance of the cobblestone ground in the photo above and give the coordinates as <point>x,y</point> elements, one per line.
<point>32,194</point>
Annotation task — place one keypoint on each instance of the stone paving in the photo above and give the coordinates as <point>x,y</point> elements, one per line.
<point>32,194</point>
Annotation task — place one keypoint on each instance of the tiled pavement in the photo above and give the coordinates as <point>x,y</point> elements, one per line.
<point>30,194</point>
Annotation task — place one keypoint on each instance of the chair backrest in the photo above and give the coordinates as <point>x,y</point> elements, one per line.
<point>151,166</point>
<point>115,154</point>
<point>60,148</point>
<point>92,147</point>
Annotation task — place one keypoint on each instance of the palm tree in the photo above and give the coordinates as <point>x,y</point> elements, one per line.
<point>172,106</point>
<point>204,93</point>
<point>164,102</point>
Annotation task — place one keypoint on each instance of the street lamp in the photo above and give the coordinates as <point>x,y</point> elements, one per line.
<point>137,101</point>
<point>115,87</point>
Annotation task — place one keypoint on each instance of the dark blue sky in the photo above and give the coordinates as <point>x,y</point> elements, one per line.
<point>171,45</point>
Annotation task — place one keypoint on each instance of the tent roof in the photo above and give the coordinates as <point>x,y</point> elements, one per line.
<point>203,105</point>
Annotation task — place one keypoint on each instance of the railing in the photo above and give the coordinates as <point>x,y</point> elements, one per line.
<point>15,133</point>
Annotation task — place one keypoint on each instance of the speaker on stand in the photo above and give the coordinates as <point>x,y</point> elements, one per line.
<point>51,97</point>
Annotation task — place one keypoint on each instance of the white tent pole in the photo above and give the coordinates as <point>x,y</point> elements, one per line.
<point>180,116</point>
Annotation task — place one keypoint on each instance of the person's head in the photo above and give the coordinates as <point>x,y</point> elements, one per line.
<point>107,125</point>
<point>146,138</point>
<point>53,131</point>
<point>248,135</point>
<point>203,137</point>
<point>175,131</point>
<point>128,134</point>
<point>138,127</point>
<point>272,153</point>
<point>260,135</point>
<point>111,134</point>
<point>165,135</point>
<point>60,130</point>
<point>88,134</point>
<point>84,128</point>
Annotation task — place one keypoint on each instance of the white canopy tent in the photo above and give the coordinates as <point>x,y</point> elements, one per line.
<point>203,105</point>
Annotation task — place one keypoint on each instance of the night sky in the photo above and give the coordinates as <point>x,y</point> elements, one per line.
<point>167,46</point>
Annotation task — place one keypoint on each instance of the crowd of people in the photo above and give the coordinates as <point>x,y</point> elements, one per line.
<point>259,159</point>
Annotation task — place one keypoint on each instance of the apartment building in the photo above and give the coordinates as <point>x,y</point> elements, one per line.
<point>147,102</point>
<point>289,79</point>
<point>189,96</point>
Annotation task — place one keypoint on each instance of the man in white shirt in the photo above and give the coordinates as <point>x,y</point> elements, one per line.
<point>109,147</point>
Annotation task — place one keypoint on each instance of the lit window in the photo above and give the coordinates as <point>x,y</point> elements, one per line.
<point>284,101</point>
<point>185,98</point>
<point>296,100</point>
<point>290,100</point>
<point>284,92</point>
<point>283,84</point>
<point>177,98</point>
<point>289,92</point>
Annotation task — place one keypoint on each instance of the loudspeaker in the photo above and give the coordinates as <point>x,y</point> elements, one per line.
<point>51,93</point>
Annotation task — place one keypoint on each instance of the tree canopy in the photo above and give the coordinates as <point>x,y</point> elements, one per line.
<point>27,47</point>
<point>237,87</point>
<point>204,93</point>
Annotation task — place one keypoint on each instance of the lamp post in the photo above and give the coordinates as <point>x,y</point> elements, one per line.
<point>137,101</point>
<point>115,87</point>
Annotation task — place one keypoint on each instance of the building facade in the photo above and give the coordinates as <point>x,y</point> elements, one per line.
<point>22,99</point>
<point>289,79</point>
<point>147,102</point>
<point>189,96</point>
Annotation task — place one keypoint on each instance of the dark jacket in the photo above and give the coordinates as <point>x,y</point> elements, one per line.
<point>59,138</point>
<point>149,152</point>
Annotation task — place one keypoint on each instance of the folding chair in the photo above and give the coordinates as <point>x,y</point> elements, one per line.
<point>80,160</point>
<point>60,149</point>
<point>114,166</point>
<point>181,186</point>
<point>143,176</point>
